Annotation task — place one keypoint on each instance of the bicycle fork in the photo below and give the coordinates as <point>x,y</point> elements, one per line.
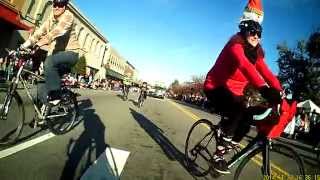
<point>12,89</point>
<point>7,101</point>
<point>266,158</point>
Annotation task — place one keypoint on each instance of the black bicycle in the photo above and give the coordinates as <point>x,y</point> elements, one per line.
<point>59,118</point>
<point>261,158</point>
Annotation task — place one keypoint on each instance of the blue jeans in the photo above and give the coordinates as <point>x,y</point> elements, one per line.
<point>51,68</point>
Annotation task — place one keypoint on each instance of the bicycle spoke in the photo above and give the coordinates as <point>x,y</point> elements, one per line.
<point>284,162</point>
<point>205,157</point>
<point>63,116</point>
<point>210,138</point>
<point>12,118</point>
<point>198,144</point>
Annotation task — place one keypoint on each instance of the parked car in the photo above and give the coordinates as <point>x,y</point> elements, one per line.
<point>158,94</point>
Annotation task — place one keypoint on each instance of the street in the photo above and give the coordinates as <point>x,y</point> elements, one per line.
<point>151,139</point>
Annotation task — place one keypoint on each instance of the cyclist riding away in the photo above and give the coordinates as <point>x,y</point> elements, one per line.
<point>240,63</point>
<point>126,84</point>
<point>143,90</point>
<point>58,32</point>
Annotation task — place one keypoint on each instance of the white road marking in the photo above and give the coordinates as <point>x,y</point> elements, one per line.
<point>108,166</point>
<point>25,145</point>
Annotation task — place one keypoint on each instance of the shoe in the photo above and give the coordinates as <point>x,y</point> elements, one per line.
<point>37,123</point>
<point>220,151</point>
<point>55,102</point>
<point>54,97</point>
<point>229,143</point>
<point>220,165</point>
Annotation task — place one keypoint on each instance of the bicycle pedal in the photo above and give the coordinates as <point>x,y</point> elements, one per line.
<point>33,124</point>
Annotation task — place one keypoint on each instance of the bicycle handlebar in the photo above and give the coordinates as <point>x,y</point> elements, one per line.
<point>21,52</point>
<point>266,113</point>
<point>262,116</point>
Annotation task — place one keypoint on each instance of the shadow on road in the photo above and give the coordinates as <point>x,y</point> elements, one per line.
<point>89,145</point>
<point>157,135</point>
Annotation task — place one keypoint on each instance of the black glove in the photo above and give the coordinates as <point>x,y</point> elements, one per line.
<point>35,47</point>
<point>272,95</point>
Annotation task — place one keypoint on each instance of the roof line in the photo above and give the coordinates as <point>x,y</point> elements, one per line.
<point>86,20</point>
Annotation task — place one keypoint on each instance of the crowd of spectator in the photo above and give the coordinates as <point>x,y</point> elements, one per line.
<point>88,82</point>
<point>306,127</point>
<point>196,99</point>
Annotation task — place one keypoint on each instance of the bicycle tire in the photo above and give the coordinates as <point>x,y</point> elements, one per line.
<point>62,125</point>
<point>140,103</point>
<point>125,97</point>
<point>195,167</point>
<point>12,135</point>
<point>277,149</point>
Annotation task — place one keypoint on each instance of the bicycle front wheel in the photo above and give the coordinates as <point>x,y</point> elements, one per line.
<point>285,163</point>
<point>200,144</point>
<point>11,117</point>
<point>61,118</point>
<point>140,103</point>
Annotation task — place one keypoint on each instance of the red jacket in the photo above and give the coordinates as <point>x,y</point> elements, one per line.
<point>234,71</point>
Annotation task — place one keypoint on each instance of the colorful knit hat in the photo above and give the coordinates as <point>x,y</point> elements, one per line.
<point>253,11</point>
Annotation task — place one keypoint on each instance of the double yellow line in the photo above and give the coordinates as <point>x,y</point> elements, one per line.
<point>257,159</point>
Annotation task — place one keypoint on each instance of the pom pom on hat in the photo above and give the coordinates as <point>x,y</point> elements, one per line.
<point>253,11</point>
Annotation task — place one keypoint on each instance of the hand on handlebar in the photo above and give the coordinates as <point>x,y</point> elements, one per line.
<point>43,41</point>
<point>272,95</point>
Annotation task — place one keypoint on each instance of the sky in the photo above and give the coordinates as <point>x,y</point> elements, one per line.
<point>176,39</point>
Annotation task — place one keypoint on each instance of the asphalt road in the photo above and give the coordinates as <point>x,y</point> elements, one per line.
<point>154,136</point>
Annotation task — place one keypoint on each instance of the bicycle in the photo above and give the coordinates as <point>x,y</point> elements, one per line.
<point>262,147</point>
<point>59,118</point>
<point>125,92</point>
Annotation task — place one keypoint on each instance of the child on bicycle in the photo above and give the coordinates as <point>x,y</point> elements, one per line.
<point>240,63</point>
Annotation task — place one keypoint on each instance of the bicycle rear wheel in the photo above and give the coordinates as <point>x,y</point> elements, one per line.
<point>200,144</point>
<point>11,123</point>
<point>285,163</point>
<point>61,118</point>
<point>125,96</point>
<point>140,103</point>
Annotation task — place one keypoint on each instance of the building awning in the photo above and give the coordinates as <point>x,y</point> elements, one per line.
<point>115,74</point>
<point>93,68</point>
<point>12,16</point>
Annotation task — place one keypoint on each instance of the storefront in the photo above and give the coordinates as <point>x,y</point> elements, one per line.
<point>9,22</point>
<point>111,74</point>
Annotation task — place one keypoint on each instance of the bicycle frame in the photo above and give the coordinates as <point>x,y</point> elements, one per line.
<point>15,81</point>
<point>255,144</point>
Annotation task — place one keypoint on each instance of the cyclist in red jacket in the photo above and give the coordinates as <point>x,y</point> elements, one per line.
<point>240,63</point>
